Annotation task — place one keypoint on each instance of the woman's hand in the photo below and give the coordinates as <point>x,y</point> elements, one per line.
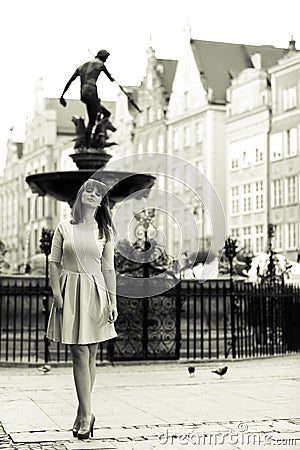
<point>113,314</point>
<point>58,301</point>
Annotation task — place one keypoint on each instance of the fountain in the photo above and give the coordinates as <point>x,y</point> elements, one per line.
<point>90,161</point>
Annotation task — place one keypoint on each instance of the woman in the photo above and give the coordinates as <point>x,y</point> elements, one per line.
<point>83,282</point>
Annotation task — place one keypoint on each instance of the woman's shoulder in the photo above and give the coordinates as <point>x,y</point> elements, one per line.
<point>64,225</point>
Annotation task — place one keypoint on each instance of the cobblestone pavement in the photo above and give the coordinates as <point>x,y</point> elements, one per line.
<point>157,406</point>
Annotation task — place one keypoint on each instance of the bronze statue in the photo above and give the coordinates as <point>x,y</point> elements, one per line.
<point>98,139</point>
<point>89,73</point>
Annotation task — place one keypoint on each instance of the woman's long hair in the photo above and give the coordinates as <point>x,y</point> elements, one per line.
<point>102,214</point>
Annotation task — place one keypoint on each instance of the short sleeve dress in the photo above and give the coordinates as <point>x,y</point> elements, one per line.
<point>84,257</point>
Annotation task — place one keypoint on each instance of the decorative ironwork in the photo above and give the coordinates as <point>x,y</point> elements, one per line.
<point>145,257</point>
<point>148,328</point>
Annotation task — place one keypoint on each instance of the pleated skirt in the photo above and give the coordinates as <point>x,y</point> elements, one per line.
<point>86,308</point>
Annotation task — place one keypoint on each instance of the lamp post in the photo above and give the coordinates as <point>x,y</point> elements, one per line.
<point>271,265</point>
<point>145,219</point>
<point>230,253</point>
<point>45,246</point>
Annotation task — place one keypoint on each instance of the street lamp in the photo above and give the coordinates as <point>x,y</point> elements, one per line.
<point>145,219</point>
<point>45,246</point>
<point>230,248</point>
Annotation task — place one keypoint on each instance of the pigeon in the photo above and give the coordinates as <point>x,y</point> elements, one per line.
<point>191,370</point>
<point>221,371</point>
<point>45,369</point>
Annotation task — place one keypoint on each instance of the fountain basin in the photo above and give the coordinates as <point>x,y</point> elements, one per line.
<point>63,186</point>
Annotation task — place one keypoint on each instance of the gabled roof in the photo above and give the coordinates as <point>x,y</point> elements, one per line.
<point>218,61</point>
<point>167,73</point>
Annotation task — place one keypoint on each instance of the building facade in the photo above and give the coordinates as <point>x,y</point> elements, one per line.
<point>263,167</point>
<point>284,170</point>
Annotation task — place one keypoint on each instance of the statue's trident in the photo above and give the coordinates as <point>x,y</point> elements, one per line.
<point>128,95</point>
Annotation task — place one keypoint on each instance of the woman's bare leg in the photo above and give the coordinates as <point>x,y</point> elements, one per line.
<point>92,363</point>
<point>82,379</point>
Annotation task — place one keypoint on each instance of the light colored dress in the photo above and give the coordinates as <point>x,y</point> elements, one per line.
<point>86,308</point>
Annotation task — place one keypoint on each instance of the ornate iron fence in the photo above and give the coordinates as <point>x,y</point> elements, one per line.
<point>192,321</point>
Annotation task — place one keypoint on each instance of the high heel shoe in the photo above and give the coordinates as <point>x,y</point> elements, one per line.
<point>76,426</point>
<point>84,433</point>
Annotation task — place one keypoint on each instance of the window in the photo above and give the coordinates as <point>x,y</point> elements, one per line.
<point>247,239</point>
<point>290,142</point>
<point>159,113</point>
<point>259,238</point>
<point>258,142</point>
<point>234,152</point>
<point>150,146</point>
<point>140,150</point>
<point>277,193</point>
<point>247,198</point>
<point>175,140</point>
<point>29,209</point>
<point>176,179</point>
<point>150,114</point>
<point>160,143</point>
<point>276,146</point>
<point>199,132</point>
<point>291,190</point>
<point>35,143</point>
<point>43,206</point>
<point>36,241</point>
<point>289,98</point>
<point>278,237</point>
<point>290,236</point>
<point>235,200</point>
<point>187,137</point>
<point>234,233</point>
<point>246,152</point>
<point>259,195</point>
<point>186,100</point>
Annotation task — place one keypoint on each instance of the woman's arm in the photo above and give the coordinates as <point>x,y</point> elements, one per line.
<point>110,278</point>
<point>54,273</point>
<point>55,266</point>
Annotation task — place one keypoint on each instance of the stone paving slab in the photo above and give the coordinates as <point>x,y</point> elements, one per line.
<point>136,405</point>
<point>92,444</point>
<point>40,436</point>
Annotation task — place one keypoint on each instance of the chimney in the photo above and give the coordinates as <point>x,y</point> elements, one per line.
<point>292,45</point>
<point>256,61</point>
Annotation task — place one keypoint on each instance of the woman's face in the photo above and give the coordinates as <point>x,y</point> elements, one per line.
<point>91,196</point>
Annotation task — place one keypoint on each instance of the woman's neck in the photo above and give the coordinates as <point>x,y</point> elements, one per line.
<point>88,216</point>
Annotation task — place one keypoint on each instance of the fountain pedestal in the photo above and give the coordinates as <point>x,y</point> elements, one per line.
<point>90,160</point>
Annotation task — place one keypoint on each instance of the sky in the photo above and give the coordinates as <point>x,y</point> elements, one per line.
<point>51,38</point>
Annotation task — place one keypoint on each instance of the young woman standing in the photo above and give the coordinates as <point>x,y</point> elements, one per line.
<point>83,281</point>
